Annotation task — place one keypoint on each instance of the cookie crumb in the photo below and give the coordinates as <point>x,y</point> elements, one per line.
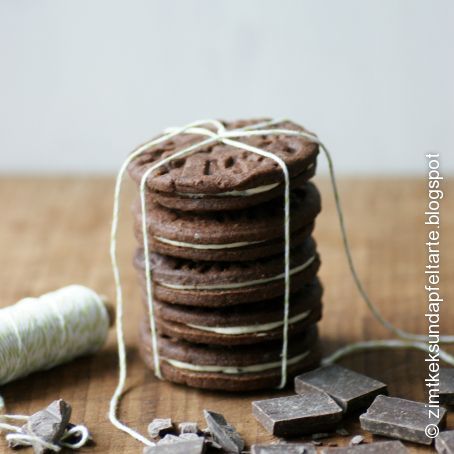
<point>356,440</point>
<point>160,427</point>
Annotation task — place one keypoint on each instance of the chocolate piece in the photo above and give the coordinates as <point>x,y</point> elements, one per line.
<point>399,418</point>
<point>220,177</point>
<point>382,447</point>
<point>230,235</point>
<point>352,391</point>
<point>188,427</point>
<point>189,436</point>
<point>48,424</point>
<point>159,427</point>
<point>180,447</point>
<point>284,448</point>
<point>224,433</point>
<point>446,393</point>
<point>211,444</point>
<point>356,440</point>
<point>444,442</point>
<point>310,412</point>
<point>209,439</point>
<point>147,449</point>
<point>169,439</point>
<point>217,284</point>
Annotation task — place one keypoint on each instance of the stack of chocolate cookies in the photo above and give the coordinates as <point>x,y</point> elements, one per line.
<point>215,227</point>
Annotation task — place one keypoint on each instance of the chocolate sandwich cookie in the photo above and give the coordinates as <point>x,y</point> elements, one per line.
<point>239,368</point>
<point>241,324</point>
<point>220,177</point>
<point>215,284</point>
<point>230,235</point>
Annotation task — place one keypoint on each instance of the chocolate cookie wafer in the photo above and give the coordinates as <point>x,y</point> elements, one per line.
<point>215,284</point>
<point>220,177</point>
<point>240,368</point>
<point>246,234</point>
<point>241,324</point>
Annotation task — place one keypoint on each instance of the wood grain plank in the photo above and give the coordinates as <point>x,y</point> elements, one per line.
<point>55,231</point>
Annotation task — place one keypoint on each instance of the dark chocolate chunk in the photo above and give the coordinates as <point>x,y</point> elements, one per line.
<point>189,436</point>
<point>306,413</point>
<point>382,447</point>
<point>351,390</point>
<point>444,442</point>
<point>180,447</point>
<point>160,427</point>
<point>446,392</point>
<point>49,424</point>
<point>284,448</point>
<point>212,445</point>
<point>168,439</point>
<point>400,418</point>
<point>223,433</point>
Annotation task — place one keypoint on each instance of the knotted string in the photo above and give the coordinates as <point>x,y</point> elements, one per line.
<point>18,436</point>
<point>406,339</point>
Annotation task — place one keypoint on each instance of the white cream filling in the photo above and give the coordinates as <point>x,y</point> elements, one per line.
<point>244,193</point>
<point>238,330</point>
<point>206,246</point>
<point>233,370</point>
<point>235,285</point>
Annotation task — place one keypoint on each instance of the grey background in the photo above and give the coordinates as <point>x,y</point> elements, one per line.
<point>82,82</point>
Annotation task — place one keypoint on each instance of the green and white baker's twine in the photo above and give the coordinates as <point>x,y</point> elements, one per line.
<point>228,137</point>
<point>40,333</point>
<point>17,436</point>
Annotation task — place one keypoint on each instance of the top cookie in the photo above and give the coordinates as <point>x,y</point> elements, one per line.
<point>221,177</point>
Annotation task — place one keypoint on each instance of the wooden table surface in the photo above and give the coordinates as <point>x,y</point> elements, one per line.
<point>55,232</point>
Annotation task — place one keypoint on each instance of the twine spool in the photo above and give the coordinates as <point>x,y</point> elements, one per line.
<point>40,333</point>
